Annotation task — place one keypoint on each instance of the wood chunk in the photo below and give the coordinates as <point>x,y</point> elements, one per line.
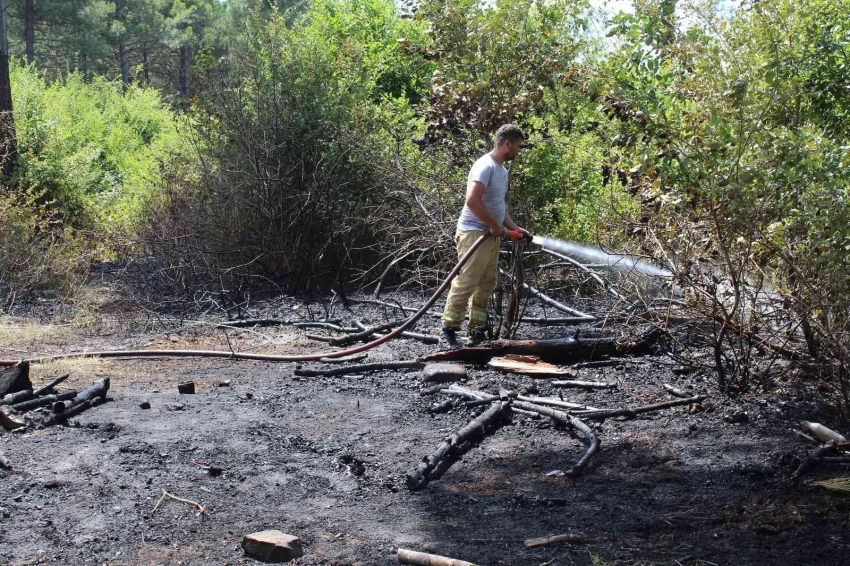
<point>15,379</point>
<point>823,433</point>
<point>442,373</point>
<point>10,419</point>
<point>272,546</point>
<point>187,388</point>
<point>545,541</point>
<point>405,556</point>
<point>527,365</point>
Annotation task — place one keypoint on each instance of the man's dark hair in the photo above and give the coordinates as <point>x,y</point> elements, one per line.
<point>508,132</point>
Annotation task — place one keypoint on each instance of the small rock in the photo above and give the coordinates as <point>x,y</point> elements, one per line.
<point>272,546</point>
<point>441,373</point>
<point>187,388</point>
<point>4,462</point>
<point>738,417</point>
<point>215,471</point>
<point>145,404</point>
<point>225,383</point>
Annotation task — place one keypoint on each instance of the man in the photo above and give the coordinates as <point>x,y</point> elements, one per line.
<point>485,212</point>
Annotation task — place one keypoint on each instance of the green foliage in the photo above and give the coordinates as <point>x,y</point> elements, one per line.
<point>35,252</point>
<point>92,150</point>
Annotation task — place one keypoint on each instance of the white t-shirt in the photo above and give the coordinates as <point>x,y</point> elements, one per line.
<point>494,177</point>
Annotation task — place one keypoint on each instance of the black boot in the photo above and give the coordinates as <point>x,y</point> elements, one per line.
<point>476,337</point>
<point>448,339</point>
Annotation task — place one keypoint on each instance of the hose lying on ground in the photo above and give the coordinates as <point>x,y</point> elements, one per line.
<point>271,357</point>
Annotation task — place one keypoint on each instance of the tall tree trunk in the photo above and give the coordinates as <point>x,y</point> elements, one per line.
<point>145,63</point>
<point>8,147</point>
<point>122,51</point>
<point>185,70</point>
<point>29,30</point>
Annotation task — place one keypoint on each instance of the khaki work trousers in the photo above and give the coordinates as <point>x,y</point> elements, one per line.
<point>475,282</point>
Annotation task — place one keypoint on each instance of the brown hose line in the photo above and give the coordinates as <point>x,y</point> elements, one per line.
<point>271,357</point>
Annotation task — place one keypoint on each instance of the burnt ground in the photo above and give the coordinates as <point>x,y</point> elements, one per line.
<point>324,459</point>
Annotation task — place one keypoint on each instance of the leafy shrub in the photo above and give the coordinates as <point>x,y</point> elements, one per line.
<point>35,253</point>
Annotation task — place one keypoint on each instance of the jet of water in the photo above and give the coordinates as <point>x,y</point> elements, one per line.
<point>595,255</point>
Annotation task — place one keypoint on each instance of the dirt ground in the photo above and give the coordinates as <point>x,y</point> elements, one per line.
<point>324,459</point>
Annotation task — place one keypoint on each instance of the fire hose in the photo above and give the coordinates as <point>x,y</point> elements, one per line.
<point>409,322</point>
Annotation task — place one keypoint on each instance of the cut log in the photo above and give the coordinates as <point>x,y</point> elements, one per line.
<point>96,390</point>
<point>823,433</point>
<point>487,421</point>
<point>675,392</point>
<point>49,386</point>
<point>15,379</point>
<point>634,411</point>
<point>358,368</point>
<point>43,401</point>
<point>563,350</point>
<point>405,556</point>
<point>74,411</point>
<point>527,365</point>
<point>546,541</point>
<point>443,373</point>
<point>13,398</point>
<point>585,384</point>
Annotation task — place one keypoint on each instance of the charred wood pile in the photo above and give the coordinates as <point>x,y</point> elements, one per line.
<point>23,405</point>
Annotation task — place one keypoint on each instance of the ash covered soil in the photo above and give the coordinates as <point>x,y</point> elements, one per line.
<point>324,459</point>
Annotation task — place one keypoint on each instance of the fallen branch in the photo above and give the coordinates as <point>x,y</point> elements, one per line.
<point>546,541</point>
<point>570,421</point>
<point>554,321</point>
<point>13,398</point>
<point>442,456</point>
<point>596,277</point>
<point>324,325</point>
<point>47,387</point>
<point>817,456</point>
<point>584,384</point>
<point>405,556</point>
<point>201,508</point>
<point>633,412</point>
<point>346,359</point>
<point>358,368</point>
<point>563,418</point>
<point>557,403</point>
<point>534,292</point>
<point>364,334</point>
<point>424,338</point>
<point>564,350</point>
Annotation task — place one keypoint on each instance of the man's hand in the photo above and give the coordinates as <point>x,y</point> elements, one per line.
<point>526,232</point>
<point>496,231</point>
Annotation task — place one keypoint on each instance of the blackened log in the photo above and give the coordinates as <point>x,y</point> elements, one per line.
<point>487,421</point>
<point>358,368</point>
<point>563,350</point>
<point>74,411</point>
<point>634,411</point>
<point>96,390</point>
<point>43,401</point>
<point>45,388</point>
<point>13,398</point>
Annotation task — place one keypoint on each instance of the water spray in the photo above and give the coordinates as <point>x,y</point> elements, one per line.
<point>590,254</point>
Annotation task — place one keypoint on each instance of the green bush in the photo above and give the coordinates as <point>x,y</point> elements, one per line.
<point>90,149</point>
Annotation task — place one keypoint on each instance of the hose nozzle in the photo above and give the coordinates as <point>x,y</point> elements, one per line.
<point>516,235</point>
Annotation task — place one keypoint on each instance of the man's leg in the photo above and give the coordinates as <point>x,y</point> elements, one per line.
<point>487,281</point>
<point>469,277</point>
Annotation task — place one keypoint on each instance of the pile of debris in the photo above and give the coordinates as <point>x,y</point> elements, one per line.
<point>23,405</point>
